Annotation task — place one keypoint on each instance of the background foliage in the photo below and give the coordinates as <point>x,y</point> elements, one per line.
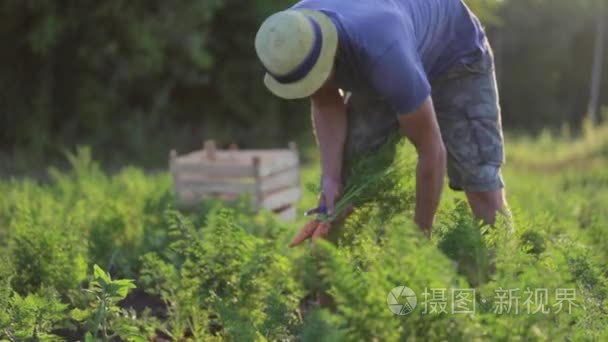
<point>90,255</point>
<point>132,79</point>
<point>69,247</point>
<point>544,50</point>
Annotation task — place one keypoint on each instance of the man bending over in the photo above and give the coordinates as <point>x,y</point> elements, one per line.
<point>371,68</point>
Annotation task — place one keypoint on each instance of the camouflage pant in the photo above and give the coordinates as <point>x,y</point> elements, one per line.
<point>466,102</point>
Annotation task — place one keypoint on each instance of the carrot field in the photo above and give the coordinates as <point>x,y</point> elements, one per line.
<point>92,256</point>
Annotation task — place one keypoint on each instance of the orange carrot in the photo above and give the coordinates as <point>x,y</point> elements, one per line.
<point>322,230</point>
<point>305,233</point>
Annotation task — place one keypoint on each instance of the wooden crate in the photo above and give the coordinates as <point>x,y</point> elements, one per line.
<point>272,177</point>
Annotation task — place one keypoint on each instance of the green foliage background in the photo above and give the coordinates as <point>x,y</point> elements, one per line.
<point>223,272</point>
<point>90,255</point>
<point>132,79</point>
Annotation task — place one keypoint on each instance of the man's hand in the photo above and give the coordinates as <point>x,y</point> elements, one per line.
<point>422,130</point>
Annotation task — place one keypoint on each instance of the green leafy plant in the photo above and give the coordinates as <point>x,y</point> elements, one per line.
<point>221,282</point>
<point>222,272</point>
<point>374,177</point>
<point>459,236</point>
<point>103,318</point>
<point>32,317</point>
<point>48,255</point>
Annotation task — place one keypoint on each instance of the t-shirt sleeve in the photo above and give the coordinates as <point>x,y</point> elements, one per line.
<point>398,75</point>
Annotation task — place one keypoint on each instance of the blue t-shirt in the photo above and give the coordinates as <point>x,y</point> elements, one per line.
<point>393,48</point>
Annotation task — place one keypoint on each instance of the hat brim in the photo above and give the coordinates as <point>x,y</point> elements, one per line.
<point>320,71</point>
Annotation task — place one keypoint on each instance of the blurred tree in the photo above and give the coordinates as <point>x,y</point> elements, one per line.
<point>545,56</point>
<point>142,76</point>
<point>134,75</point>
<point>486,10</point>
<point>598,58</point>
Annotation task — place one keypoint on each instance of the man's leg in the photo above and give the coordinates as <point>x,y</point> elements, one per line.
<point>466,101</point>
<point>371,121</point>
<point>486,204</point>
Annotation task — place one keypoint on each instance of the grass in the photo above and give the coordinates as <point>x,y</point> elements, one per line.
<point>221,272</point>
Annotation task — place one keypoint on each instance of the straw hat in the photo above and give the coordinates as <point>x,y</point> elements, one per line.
<point>297,48</point>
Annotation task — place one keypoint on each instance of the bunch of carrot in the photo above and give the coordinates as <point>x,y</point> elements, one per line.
<point>315,229</point>
<point>367,174</point>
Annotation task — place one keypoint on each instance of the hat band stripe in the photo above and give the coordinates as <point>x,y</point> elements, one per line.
<point>309,62</point>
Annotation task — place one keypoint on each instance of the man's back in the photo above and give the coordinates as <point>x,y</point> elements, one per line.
<point>445,30</point>
<point>417,39</point>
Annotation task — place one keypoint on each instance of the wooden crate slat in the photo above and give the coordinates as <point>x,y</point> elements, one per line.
<point>273,178</point>
<point>187,197</point>
<point>221,187</point>
<point>288,214</point>
<point>213,178</point>
<point>269,163</point>
<point>221,157</point>
<point>238,156</point>
<point>246,155</point>
<point>219,170</point>
<point>288,160</point>
<point>192,156</point>
<point>193,196</point>
<point>282,198</point>
<point>285,179</point>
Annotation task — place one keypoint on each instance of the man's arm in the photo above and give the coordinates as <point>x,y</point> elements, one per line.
<point>329,119</point>
<point>421,128</point>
